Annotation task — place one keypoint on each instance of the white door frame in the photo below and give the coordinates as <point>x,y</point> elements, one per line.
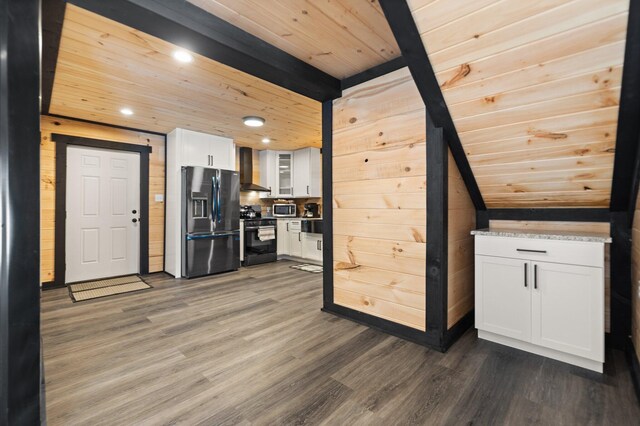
<point>62,141</point>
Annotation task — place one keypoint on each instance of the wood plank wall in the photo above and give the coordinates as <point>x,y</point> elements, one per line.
<point>379,199</point>
<point>51,125</point>
<point>598,227</point>
<point>635,279</point>
<point>462,219</point>
<point>533,89</point>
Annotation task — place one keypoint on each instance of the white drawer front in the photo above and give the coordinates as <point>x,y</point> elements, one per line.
<point>569,252</point>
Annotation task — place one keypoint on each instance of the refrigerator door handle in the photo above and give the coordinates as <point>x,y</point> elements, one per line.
<point>214,209</point>
<point>219,203</point>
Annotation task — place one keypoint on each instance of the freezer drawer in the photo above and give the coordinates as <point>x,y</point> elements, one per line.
<point>210,254</point>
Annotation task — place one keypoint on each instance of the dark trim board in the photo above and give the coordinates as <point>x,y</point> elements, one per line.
<point>551,214</point>
<point>624,185</point>
<point>20,356</point>
<point>62,141</point>
<point>327,203</point>
<point>375,72</point>
<point>184,24</point>
<point>52,20</point>
<point>620,266</point>
<point>408,38</point>
<point>98,123</point>
<point>634,366</point>
<point>404,332</point>
<point>437,233</point>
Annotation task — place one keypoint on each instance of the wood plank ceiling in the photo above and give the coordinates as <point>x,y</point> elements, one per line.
<point>104,66</point>
<point>533,89</point>
<point>340,37</point>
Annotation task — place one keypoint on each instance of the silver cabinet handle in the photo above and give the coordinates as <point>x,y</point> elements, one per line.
<point>307,189</point>
<point>532,251</point>
<point>287,226</point>
<point>525,275</point>
<point>299,236</point>
<point>535,276</point>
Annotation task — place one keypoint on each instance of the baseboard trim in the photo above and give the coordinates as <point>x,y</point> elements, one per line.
<point>51,285</point>
<point>546,352</point>
<point>398,330</point>
<point>458,329</point>
<point>634,366</point>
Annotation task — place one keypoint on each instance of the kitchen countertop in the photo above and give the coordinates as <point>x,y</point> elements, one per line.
<point>591,237</point>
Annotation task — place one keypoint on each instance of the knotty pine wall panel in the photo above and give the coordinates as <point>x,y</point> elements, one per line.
<point>597,227</point>
<point>533,89</point>
<point>51,125</point>
<point>379,199</point>
<point>460,265</point>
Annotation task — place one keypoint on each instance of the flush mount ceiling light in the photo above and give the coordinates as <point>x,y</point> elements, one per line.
<point>126,111</point>
<point>266,140</point>
<point>253,121</point>
<point>182,56</point>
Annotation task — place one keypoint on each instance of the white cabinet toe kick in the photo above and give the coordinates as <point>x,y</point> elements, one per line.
<point>542,295</point>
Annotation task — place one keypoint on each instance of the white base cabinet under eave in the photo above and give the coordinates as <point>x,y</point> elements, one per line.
<point>549,305</point>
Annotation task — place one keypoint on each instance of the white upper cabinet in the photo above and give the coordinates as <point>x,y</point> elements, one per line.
<point>306,173</point>
<point>201,149</point>
<point>291,174</point>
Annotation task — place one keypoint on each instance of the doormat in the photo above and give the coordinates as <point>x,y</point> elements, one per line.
<point>107,287</point>
<point>307,267</point>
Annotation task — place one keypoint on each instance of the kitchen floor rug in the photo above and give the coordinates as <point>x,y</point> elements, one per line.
<point>106,287</point>
<point>307,267</point>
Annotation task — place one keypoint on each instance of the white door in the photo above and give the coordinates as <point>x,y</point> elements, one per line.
<point>503,297</point>
<point>568,309</point>
<point>103,200</point>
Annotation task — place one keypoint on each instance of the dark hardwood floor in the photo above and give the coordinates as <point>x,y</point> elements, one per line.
<point>253,347</point>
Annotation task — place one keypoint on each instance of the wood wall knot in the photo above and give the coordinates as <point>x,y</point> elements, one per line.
<point>463,71</point>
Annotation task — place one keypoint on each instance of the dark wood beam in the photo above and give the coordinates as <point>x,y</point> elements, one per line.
<point>371,73</point>
<point>20,361</point>
<point>408,38</point>
<point>327,203</point>
<point>183,24</point>
<point>52,20</point>
<point>624,187</point>
<point>437,234</point>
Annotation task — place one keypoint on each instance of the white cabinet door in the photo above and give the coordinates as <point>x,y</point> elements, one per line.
<point>319,250</point>
<point>306,177</point>
<point>310,246</point>
<point>283,237</point>
<point>268,173</point>
<point>503,296</point>
<point>295,243</point>
<point>195,149</point>
<point>568,309</point>
<point>284,174</point>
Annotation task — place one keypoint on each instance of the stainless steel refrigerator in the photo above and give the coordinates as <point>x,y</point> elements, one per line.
<point>210,221</point>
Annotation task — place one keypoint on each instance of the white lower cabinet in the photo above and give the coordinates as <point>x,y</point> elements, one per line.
<point>312,246</point>
<point>532,303</point>
<point>283,237</point>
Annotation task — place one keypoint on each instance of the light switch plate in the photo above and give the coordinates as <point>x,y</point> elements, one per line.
<point>159,198</point>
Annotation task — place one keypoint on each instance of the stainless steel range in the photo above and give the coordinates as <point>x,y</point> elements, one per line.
<point>259,241</point>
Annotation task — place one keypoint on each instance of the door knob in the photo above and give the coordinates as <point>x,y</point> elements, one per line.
<point>134,220</point>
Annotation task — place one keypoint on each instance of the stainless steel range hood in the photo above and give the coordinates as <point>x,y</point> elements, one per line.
<point>246,172</point>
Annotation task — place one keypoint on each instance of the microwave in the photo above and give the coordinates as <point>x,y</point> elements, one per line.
<point>284,210</point>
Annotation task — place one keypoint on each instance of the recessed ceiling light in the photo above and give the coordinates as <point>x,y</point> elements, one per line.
<point>126,111</point>
<point>253,121</point>
<point>266,140</point>
<point>182,56</point>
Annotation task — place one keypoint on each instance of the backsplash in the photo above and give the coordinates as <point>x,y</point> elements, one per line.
<point>253,197</point>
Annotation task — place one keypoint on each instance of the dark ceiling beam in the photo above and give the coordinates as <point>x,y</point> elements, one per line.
<point>624,187</point>
<point>408,38</point>
<point>185,25</point>
<point>374,72</point>
<point>52,19</point>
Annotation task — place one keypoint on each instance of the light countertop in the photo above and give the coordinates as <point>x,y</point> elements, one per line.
<point>592,237</point>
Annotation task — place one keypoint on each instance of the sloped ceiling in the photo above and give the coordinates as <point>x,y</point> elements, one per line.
<point>340,37</point>
<point>533,89</point>
<point>104,66</point>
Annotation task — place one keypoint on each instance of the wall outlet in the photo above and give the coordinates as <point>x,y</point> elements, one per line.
<point>159,198</point>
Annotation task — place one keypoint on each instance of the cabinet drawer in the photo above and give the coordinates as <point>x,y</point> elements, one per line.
<point>569,252</point>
